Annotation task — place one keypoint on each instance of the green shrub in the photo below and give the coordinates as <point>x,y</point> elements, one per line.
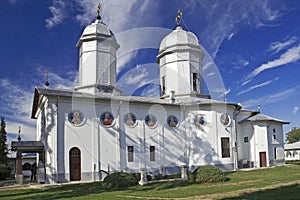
<point>120,180</point>
<point>4,172</point>
<point>209,174</point>
<point>296,162</point>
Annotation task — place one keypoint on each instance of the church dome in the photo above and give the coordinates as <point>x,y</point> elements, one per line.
<point>97,29</point>
<point>179,37</point>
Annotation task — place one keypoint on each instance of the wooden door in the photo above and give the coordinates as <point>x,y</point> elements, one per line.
<point>75,164</point>
<point>262,159</point>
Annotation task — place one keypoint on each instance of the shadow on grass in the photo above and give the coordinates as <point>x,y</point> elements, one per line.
<point>57,192</point>
<point>285,192</point>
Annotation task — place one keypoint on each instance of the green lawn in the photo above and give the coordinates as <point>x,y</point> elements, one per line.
<point>242,183</point>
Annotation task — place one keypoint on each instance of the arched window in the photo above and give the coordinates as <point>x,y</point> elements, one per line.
<point>26,166</point>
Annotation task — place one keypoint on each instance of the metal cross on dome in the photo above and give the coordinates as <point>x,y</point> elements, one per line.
<point>178,17</point>
<point>98,11</point>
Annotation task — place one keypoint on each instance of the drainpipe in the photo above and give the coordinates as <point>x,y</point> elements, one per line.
<point>236,112</point>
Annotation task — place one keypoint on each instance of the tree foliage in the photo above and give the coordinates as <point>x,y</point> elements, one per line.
<point>4,169</point>
<point>293,135</point>
<point>3,146</point>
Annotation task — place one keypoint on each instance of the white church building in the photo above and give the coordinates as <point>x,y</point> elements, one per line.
<point>92,130</point>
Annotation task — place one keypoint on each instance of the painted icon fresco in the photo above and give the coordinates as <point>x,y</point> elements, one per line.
<point>199,120</point>
<point>76,117</point>
<point>225,119</point>
<point>107,119</point>
<point>130,119</point>
<point>172,121</point>
<point>151,121</point>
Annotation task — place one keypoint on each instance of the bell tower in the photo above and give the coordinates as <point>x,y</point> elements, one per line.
<point>97,59</point>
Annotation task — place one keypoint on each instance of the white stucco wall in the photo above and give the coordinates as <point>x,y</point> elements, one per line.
<point>105,148</point>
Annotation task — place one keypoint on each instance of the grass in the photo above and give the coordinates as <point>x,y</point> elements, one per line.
<point>242,185</point>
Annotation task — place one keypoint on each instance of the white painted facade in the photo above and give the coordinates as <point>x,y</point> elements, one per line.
<point>205,131</point>
<point>292,151</point>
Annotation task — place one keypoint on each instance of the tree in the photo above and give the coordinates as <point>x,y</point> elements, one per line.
<point>4,169</point>
<point>3,146</point>
<point>293,135</point>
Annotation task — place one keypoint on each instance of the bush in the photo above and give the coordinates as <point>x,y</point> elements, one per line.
<point>296,162</point>
<point>209,174</point>
<point>120,180</point>
<point>4,172</point>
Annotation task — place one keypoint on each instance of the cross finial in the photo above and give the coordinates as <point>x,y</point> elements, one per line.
<point>98,11</point>
<point>47,83</point>
<point>178,17</point>
<point>19,136</point>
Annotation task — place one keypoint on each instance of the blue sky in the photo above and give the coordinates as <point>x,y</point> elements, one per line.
<point>252,48</point>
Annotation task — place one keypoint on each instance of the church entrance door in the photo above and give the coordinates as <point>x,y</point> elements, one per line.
<point>262,159</point>
<point>75,164</point>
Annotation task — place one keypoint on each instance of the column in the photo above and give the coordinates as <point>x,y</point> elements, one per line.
<point>19,175</point>
<point>184,175</point>
<point>143,180</point>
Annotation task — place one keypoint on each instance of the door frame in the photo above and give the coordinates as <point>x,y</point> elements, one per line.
<point>263,159</point>
<point>75,171</point>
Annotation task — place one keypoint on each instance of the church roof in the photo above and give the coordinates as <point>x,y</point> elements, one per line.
<point>97,29</point>
<point>292,146</point>
<point>179,37</point>
<point>258,117</point>
<point>39,91</point>
<point>27,146</point>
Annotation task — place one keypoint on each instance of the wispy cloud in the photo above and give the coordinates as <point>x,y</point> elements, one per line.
<point>138,77</point>
<point>12,2</point>
<point>18,100</point>
<point>28,132</point>
<point>295,110</point>
<point>278,46</point>
<point>257,86</point>
<point>234,15</point>
<point>58,14</point>
<point>57,80</point>
<point>119,15</point>
<point>290,56</point>
<point>268,99</point>
<point>246,82</point>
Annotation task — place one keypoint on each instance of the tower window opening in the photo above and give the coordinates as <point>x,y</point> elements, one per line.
<point>195,82</point>
<point>163,80</point>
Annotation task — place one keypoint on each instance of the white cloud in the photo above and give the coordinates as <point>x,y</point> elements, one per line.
<point>290,56</point>
<point>18,100</point>
<point>295,110</point>
<point>138,77</point>
<point>12,2</point>
<point>278,46</point>
<point>119,15</point>
<point>12,128</point>
<point>246,82</point>
<point>257,86</point>
<point>66,80</point>
<point>235,13</point>
<point>151,91</point>
<point>57,11</point>
<point>268,99</point>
